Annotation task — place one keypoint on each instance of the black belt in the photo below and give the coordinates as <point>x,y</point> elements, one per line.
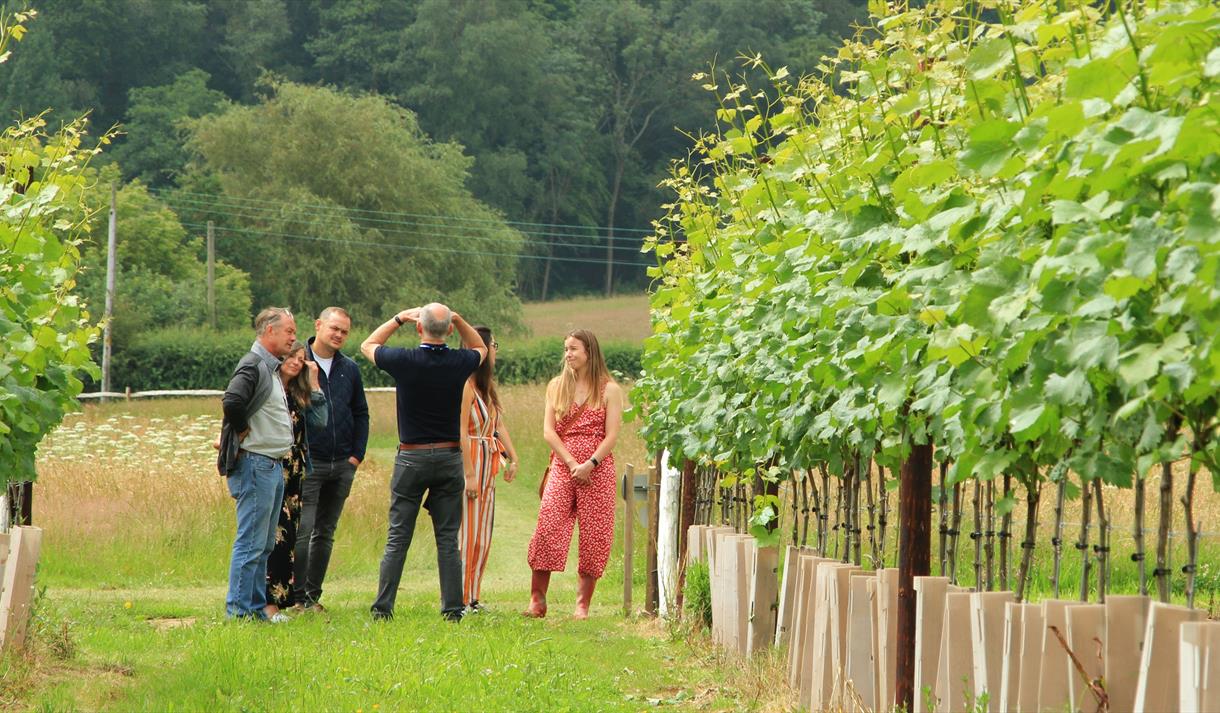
<point>439,445</point>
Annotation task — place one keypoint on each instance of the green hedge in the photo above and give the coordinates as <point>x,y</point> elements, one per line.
<point>198,359</point>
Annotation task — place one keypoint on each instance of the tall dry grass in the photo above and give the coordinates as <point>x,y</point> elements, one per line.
<point>128,496</point>
<point>612,319</point>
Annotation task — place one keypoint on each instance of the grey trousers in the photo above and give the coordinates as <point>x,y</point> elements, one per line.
<point>323,493</point>
<point>437,473</point>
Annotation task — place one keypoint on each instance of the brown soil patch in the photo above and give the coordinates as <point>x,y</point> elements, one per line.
<point>166,623</point>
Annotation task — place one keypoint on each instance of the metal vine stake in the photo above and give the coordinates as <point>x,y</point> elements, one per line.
<point>1057,540</point>
<point>1102,548</point>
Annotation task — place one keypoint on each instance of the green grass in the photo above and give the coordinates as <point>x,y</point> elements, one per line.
<point>137,531</point>
<point>344,661</point>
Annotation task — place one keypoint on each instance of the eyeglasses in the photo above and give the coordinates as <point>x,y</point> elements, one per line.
<point>495,345</point>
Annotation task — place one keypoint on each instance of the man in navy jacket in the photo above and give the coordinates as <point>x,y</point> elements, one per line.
<point>336,450</point>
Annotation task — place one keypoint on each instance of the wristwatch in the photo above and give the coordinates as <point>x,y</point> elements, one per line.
<point>594,461</point>
<point>399,320</point>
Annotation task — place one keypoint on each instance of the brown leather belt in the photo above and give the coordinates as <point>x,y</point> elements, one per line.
<point>428,446</point>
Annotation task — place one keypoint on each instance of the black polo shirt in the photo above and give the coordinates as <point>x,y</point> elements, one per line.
<point>428,381</point>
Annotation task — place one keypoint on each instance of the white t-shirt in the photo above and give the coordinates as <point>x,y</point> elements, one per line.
<point>324,363</point>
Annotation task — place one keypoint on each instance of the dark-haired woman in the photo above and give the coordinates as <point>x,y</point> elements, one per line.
<point>486,441</point>
<point>306,402</point>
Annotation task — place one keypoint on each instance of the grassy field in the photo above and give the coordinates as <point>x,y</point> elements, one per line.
<point>614,319</point>
<point>130,613</point>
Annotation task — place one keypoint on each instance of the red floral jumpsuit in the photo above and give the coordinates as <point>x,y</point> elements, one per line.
<point>564,501</point>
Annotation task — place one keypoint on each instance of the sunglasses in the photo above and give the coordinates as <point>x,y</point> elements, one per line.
<point>495,345</point>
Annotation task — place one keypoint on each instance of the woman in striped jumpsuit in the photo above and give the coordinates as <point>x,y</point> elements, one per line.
<point>486,441</point>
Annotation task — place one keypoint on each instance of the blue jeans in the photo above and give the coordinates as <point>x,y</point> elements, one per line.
<point>438,475</point>
<point>257,484</point>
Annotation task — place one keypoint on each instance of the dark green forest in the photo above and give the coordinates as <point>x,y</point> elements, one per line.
<point>377,152</point>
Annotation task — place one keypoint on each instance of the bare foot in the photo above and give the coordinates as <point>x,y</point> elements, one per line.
<point>581,612</point>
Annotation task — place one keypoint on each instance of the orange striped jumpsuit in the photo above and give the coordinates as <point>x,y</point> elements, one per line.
<point>479,512</point>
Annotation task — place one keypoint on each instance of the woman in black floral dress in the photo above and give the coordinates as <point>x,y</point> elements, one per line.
<point>306,402</point>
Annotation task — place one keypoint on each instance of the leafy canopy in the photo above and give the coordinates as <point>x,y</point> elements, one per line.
<point>44,329</point>
<point>994,228</point>
<point>310,173</point>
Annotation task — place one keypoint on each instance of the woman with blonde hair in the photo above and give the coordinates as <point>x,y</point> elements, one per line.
<point>584,410</point>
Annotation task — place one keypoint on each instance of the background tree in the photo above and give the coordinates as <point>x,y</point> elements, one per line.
<point>570,110</point>
<point>332,198</point>
<point>358,44</point>
<point>161,275</point>
<point>154,150</point>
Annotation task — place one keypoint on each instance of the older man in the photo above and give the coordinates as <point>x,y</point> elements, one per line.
<point>429,381</point>
<point>335,449</point>
<point>255,435</point>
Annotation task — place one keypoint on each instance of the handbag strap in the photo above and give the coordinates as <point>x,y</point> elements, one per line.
<point>562,427</point>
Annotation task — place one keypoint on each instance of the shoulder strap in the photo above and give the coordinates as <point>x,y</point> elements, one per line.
<point>562,426</point>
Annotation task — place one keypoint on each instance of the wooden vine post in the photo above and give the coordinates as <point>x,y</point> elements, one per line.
<point>628,488</point>
<point>1163,570</point>
<point>686,518</point>
<point>1033,491</point>
<point>1086,559</point>
<point>914,560</point>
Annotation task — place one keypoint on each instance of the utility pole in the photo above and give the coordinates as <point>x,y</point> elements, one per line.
<point>211,275</point>
<point>610,258</point>
<point>110,260</point>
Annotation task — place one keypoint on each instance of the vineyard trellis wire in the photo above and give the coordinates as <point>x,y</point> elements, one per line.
<point>800,521</point>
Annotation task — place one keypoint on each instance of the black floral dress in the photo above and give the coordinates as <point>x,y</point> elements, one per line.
<point>296,468</point>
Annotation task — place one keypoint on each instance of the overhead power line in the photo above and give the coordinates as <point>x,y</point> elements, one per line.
<point>596,229</point>
<point>409,248</point>
<point>387,226</point>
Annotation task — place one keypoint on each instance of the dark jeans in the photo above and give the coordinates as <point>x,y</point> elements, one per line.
<point>438,473</point>
<point>323,492</point>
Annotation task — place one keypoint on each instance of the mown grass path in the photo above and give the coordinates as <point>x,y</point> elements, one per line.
<point>168,650</point>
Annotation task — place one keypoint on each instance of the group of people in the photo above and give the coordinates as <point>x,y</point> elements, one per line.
<point>295,431</point>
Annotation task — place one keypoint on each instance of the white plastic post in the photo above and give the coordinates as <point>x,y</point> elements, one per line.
<point>987,633</point>
<point>17,597</point>
<point>667,538</point>
<point>787,589</point>
<point>1199,666</point>
<point>955,672</point>
<point>1126,624</point>
<point>1086,634</point>
<point>930,593</point>
<point>1156,691</point>
<point>764,589</point>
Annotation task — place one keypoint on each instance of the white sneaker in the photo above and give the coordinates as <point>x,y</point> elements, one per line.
<point>278,618</point>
